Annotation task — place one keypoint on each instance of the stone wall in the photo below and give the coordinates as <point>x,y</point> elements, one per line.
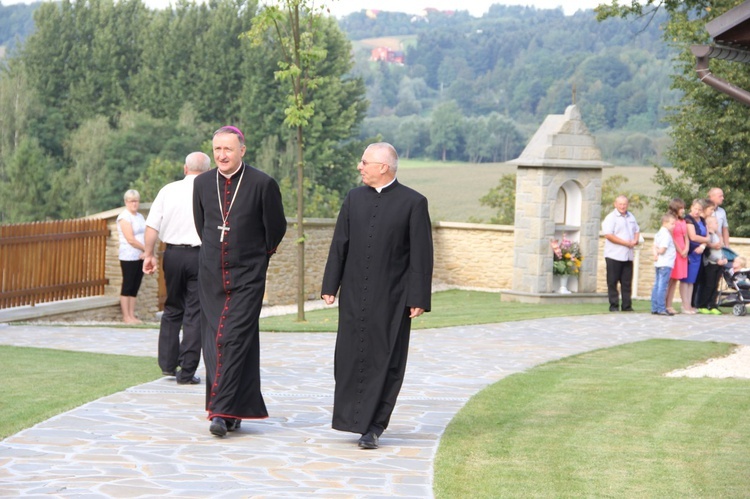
<point>469,256</point>
<point>473,255</point>
<point>94,313</point>
<point>281,282</point>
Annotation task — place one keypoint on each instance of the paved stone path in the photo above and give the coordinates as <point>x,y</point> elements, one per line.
<point>152,440</point>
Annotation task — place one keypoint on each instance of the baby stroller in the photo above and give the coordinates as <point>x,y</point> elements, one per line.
<point>735,289</point>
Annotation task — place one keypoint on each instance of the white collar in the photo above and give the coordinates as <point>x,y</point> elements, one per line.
<point>231,174</point>
<point>380,189</point>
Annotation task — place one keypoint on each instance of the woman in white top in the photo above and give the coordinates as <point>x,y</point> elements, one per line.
<point>131,227</point>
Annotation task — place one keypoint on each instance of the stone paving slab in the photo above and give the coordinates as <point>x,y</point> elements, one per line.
<point>152,440</point>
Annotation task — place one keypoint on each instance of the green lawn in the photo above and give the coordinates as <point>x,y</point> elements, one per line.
<point>42,383</point>
<point>603,424</point>
<point>451,308</point>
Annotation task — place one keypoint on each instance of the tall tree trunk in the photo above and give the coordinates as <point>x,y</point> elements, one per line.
<point>300,228</point>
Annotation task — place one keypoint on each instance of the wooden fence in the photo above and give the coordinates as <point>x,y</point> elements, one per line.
<point>50,261</point>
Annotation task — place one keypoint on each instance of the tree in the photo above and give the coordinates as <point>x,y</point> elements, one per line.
<point>108,160</point>
<point>612,187</point>
<point>638,147</point>
<point>24,191</point>
<point>82,55</point>
<point>711,131</point>
<point>502,197</point>
<point>678,187</point>
<point>159,173</point>
<point>294,30</point>
<point>413,136</point>
<point>88,184</point>
<point>340,107</point>
<point>155,83</point>
<point>15,103</point>
<point>445,129</point>
<point>15,114</point>
<point>477,139</point>
<point>506,141</point>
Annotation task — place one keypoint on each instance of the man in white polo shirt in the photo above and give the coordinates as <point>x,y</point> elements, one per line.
<point>622,233</point>
<point>716,195</point>
<point>171,220</point>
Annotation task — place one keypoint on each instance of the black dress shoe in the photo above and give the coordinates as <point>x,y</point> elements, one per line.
<point>368,441</point>
<point>169,373</point>
<point>663,313</point>
<point>629,309</point>
<point>218,427</point>
<point>233,424</point>
<point>192,381</point>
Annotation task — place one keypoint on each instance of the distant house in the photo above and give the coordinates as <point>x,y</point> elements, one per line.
<point>431,10</point>
<point>387,55</point>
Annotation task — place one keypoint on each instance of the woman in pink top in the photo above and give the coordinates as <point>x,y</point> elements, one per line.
<point>680,269</point>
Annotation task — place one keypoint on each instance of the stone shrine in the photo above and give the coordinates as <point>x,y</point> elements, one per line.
<point>558,192</point>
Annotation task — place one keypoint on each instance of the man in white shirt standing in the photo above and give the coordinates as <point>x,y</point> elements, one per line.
<point>716,195</point>
<point>171,220</point>
<point>622,233</point>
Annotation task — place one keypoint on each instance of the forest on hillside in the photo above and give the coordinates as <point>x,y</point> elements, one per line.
<point>107,95</point>
<point>475,89</point>
<point>16,23</point>
<point>102,95</point>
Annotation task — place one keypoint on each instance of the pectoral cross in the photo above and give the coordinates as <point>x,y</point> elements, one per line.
<point>223,229</point>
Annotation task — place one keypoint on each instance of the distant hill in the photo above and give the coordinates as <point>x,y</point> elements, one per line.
<point>522,63</point>
<point>391,42</point>
<point>519,62</point>
<point>16,22</point>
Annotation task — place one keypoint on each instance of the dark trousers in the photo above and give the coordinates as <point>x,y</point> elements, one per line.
<point>709,288</point>
<point>698,286</point>
<point>622,273</point>
<point>181,310</point>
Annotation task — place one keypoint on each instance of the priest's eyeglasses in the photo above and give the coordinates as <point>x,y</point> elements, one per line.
<point>366,163</point>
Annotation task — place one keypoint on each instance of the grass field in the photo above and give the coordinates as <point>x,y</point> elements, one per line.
<point>605,423</point>
<point>43,382</point>
<point>450,308</point>
<point>453,189</point>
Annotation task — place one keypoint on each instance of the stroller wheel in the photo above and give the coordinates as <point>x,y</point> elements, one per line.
<point>739,309</point>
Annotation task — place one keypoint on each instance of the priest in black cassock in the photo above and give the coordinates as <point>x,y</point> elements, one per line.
<point>240,219</point>
<point>381,259</point>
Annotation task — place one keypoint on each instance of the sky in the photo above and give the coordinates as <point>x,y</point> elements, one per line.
<point>475,7</point>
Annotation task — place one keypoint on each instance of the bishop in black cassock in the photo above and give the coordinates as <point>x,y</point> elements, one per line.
<point>240,218</point>
<point>381,259</point>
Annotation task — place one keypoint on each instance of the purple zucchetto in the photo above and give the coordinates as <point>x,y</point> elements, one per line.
<point>231,129</point>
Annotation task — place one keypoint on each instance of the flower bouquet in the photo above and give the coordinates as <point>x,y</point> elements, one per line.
<point>567,257</point>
